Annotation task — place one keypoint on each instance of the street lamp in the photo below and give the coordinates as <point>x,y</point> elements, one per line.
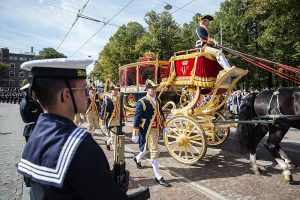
<point>168,7</point>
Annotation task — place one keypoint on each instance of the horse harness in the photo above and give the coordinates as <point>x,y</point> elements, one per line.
<point>275,93</point>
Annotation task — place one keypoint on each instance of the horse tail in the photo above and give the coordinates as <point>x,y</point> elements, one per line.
<point>244,130</point>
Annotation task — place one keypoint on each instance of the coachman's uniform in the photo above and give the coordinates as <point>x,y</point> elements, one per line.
<point>203,41</point>
<point>147,120</point>
<point>201,36</point>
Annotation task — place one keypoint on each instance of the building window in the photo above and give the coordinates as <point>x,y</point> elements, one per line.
<point>15,58</point>
<point>21,58</point>
<point>4,73</point>
<point>12,65</point>
<point>11,57</point>
<point>25,59</point>
<point>11,74</point>
<point>21,74</point>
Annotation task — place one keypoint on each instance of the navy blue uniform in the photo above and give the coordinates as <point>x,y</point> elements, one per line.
<point>108,110</point>
<point>147,117</point>
<point>201,36</point>
<point>63,161</point>
<point>30,111</point>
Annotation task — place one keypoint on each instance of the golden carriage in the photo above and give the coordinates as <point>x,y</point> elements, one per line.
<point>203,88</point>
<point>193,89</point>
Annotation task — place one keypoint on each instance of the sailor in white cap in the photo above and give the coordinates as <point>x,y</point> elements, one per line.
<point>62,160</point>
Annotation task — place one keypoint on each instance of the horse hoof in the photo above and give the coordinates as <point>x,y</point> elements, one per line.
<point>257,172</point>
<point>291,165</point>
<point>288,178</point>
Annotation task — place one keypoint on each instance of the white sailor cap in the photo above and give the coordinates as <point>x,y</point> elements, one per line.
<point>57,68</point>
<point>25,87</point>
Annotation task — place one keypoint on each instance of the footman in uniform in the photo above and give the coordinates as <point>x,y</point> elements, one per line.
<point>110,114</point>
<point>148,119</point>
<point>61,160</point>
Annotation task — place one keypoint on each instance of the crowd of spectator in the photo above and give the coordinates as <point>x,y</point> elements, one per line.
<point>11,95</point>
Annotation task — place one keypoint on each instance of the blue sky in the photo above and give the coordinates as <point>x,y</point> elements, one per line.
<point>44,23</point>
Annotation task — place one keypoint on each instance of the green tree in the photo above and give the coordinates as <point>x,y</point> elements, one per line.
<point>49,53</point>
<point>119,50</point>
<point>163,35</point>
<point>265,28</point>
<point>3,66</point>
<point>187,34</point>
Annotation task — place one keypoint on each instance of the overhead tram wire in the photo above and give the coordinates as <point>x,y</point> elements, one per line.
<point>180,8</point>
<point>96,20</point>
<point>102,27</point>
<point>81,14</point>
<point>76,19</point>
<point>68,4</point>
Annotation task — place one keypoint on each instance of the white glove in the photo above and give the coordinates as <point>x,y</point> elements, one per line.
<point>135,139</point>
<point>215,43</point>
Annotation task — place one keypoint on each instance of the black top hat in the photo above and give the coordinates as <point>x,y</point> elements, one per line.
<point>208,17</point>
<point>150,84</point>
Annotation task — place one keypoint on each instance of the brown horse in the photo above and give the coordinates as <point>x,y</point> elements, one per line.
<point>284,101</point>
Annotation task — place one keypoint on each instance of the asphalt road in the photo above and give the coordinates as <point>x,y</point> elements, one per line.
<point>223,173</point>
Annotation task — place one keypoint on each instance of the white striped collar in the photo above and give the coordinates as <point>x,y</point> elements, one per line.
<point>54,176</point>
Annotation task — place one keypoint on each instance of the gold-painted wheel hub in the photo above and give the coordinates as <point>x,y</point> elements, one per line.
<point>182,140</point>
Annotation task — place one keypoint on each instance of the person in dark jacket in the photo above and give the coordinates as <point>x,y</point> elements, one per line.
<point>204,41</point>
<point>62,160</point>
<point>148,120</point>
<point>30,110</point>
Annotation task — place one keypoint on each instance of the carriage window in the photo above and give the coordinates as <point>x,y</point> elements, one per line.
<point>131,77</point>
<point>122,77</point>
<point>147,73</point>
<point>161,73</point>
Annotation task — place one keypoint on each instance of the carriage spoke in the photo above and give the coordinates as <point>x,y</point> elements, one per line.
<point>191,151</point>
<point>194,142</point>
<point>195,137</point>
<point>170,143</point>
<point>196,149</point>
<point>185,153</point>
<point>174,130</point>
<point>172,136</point>
<point>180,151</point>
<point>194,129</point>
<point>173,150</point>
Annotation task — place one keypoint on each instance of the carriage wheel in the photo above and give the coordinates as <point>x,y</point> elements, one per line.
<point>185,139</point>
<point>218,133</point>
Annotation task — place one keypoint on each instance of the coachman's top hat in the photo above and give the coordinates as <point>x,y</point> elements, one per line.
<point>150,84</point>
<point>208,17</point>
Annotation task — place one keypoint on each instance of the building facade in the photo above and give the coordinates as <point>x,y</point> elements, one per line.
<point>13,77</point>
